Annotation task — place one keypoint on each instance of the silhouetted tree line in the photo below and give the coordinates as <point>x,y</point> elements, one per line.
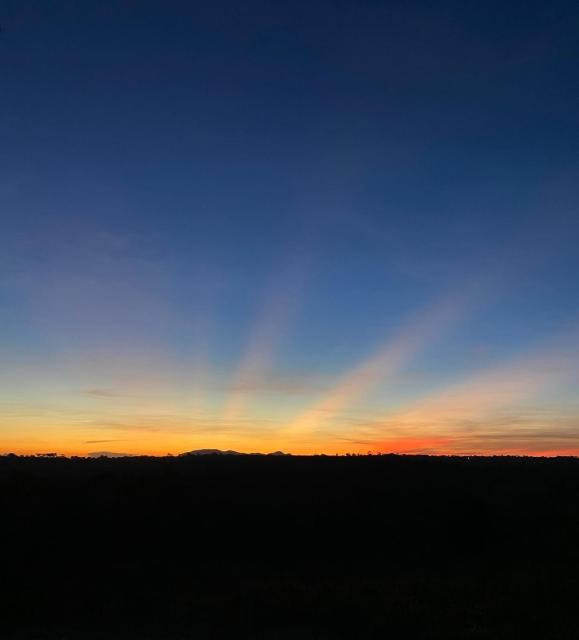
<point>306,547</point>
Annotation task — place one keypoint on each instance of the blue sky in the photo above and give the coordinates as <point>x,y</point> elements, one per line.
<point>214,215</point>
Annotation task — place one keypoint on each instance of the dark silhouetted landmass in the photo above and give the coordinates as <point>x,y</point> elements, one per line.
<point>108,454</point>
<point>211,452</point>
<point>224,546</point>
<point>228,452</point>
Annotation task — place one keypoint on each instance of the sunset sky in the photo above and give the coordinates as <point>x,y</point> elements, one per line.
<point>316,226</point>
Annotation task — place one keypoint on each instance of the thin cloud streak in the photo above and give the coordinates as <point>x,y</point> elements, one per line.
<point>491,390</point>
<point>483,409</point>
<point>506,434</point>
<point>105,393</point>
<point>287,384</point>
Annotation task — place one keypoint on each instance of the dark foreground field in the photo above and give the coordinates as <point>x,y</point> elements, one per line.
<point>276,547</point>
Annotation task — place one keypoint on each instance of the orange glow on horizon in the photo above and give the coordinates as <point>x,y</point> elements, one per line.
<point>401,446</point>
<point>485,414</point>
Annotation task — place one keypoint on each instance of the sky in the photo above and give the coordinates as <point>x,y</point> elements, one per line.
<point>311,226</point>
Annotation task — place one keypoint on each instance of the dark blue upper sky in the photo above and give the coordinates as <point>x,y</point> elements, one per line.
<point>282,188</point>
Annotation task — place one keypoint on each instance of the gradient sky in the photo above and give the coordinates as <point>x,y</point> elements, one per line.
<point>312,226</point>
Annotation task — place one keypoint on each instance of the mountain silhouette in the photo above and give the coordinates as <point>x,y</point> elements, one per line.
<point>109,454</point>
<point>229,452</point>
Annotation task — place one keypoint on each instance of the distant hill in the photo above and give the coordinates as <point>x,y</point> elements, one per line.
<point>229,452</point>
<point>108,454</point>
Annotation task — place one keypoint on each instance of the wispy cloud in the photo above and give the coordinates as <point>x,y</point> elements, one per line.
<point>105,393</point>
<point>489,411</point>
<point>490,390</point>
<point>303,384</point>
<point>163,425</point>
<point>534,431</point>
<point>124,426</point>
